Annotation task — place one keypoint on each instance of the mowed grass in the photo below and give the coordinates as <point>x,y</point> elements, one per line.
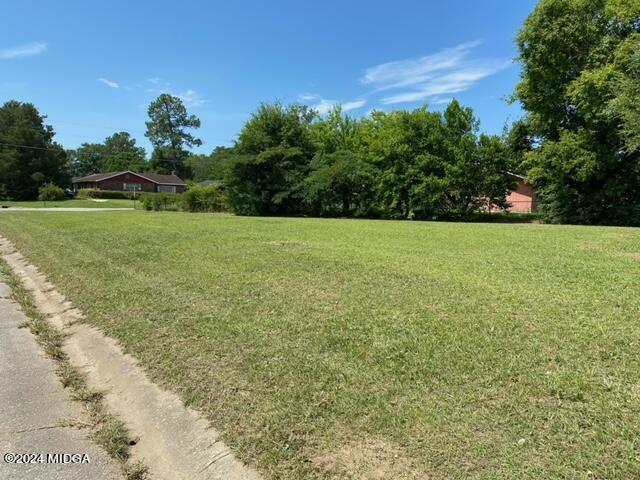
<point>70,203</point>
<point>370,349</point>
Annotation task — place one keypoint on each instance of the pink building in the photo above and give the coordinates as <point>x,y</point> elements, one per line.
<point>523,198</point>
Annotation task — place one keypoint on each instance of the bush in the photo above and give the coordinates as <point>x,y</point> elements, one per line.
<point>159,201</point>
<point>204,199</point>
<point>50,193</point>
<point>105,194</point>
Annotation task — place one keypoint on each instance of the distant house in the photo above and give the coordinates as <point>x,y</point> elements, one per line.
<point>523,198</point>
<point>131,181</point>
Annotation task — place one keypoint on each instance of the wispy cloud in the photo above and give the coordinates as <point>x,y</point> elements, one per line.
<point>159,86</point>
<point>458,81</point>
<point>405,73</point>
<point>192,99</point>
<point>445,72</point>
<point>324,106</point>
<point>27,50</point>
<point>307,97</point>
<point>441,100</point>
<point>353,105</point>
<point>109,83</point>
<point>189,97</point>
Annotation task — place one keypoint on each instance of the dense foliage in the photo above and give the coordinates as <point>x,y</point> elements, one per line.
<point>204,199</point>
<point>29,157</point>
<point>51,193</point>
<point>118,152</point>
<point>196,199</point>
<point>402,164</point>
<point>581,88</point>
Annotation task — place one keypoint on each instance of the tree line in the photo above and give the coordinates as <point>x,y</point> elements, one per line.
<point>404,164</point>
<point>578,142</point>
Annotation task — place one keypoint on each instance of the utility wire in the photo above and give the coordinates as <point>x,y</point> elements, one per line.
<point>2,144</point>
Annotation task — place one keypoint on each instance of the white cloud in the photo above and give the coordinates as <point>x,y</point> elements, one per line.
<point>191,98</point>
<point>324,106</point>
<point>445,72</point>
<point>27,50</point>
<point>353,105</point>
<point>405,73</point>
<point>307,97</point>
<point>440,100</point>
<point>456,81</point>
<point>109,83</point>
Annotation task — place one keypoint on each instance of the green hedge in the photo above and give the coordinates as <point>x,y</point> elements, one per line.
<point>106,194</point>
<point>204,199</point>
<point>160,201</point>
<point>196,199</point>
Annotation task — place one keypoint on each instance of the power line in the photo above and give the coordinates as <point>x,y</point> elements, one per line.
<point>14,145</point>
<point>104,127</point>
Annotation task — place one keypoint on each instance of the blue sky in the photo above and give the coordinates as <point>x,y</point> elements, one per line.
<point>94,67</point>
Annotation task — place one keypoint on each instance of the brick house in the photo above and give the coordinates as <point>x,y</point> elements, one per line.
<point>523,198</point>
<point>131,181</point>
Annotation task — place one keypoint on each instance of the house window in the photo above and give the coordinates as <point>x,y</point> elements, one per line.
<point>167,188</point>
<point>133,187</point>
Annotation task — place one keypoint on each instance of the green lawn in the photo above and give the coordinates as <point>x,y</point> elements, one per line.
<point>369,349</point>
<point>70,203</point>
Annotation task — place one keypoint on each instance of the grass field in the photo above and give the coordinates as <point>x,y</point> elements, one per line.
<point>370,349</point>
<point>70,203</point>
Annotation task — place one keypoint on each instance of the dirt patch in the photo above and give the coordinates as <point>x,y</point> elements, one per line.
<point>173,440</point>
<point>367,460</point>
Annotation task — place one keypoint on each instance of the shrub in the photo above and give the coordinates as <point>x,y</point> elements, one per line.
<point>159,201</point>
<point>204,199</point>
<point>50,193</point>
<point>106,194</point>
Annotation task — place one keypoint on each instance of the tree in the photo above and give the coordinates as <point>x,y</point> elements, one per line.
<point>580,90</point>
<point>121,153</point>
<point>198,166</point>
<point>433,165</point>
<point>271,159</point>
<point>87,159</point>
<point>29,157</point>
<point>340,184</point>
<point>168,132</point>
<point>117,153</point>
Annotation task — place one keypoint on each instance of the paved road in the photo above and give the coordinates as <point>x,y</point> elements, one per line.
<point>75,209</point>
<point>36,416</point>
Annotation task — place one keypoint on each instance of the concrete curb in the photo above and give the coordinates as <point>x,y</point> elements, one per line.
<point>174,441</point>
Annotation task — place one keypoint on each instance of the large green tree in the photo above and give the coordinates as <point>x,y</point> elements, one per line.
<point>341,181</point>
<point>580,89</point>
<point>29,157</point>
<point>118,152</point>
<point>87,159</point>
<point>121,153</point>
<point>434,165</point>
<point>271,159</point>
<point>169,132</point>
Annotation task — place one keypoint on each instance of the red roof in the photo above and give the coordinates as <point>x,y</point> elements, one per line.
<point>152,177</point>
